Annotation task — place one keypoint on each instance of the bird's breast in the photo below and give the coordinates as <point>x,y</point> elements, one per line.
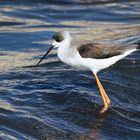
<point>71,57</point>
<point>67,56</point>
<point>62,54</point>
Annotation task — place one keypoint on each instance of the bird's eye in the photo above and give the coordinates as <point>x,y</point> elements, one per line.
<point>58,39</point>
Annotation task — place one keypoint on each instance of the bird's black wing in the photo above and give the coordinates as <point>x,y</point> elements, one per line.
<point>100,51</point>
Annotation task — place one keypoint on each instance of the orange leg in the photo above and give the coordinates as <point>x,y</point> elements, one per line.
<point>105,98</point>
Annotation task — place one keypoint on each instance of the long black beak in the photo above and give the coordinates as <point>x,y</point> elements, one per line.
<point>52,46</point>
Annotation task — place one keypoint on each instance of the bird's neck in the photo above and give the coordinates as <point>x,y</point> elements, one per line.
<point>65,51</point>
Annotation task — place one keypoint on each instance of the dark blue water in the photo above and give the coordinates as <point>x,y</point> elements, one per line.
<point>54,101</point>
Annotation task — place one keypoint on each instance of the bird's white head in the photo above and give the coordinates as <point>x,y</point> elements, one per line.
<point>60,39</point>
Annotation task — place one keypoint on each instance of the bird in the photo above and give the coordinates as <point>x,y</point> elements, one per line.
<point>89,56</point>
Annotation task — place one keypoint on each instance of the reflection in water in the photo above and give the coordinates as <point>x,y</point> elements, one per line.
<point>54,101</point>
<point>96,132</point>
<point>97,125</point>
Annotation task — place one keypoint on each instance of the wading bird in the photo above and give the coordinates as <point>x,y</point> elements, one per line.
<point>89,56</point>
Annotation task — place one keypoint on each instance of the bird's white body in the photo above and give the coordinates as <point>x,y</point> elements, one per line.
<point>70,55</point>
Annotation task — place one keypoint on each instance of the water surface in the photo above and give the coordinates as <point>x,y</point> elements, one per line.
<point>54,101</point>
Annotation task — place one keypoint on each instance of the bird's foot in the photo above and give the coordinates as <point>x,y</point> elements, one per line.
<point>105,108</point>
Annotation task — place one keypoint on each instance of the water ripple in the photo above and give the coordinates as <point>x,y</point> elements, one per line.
<point>54,101</point>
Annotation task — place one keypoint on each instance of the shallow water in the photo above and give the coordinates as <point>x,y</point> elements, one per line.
<point>54,101</point>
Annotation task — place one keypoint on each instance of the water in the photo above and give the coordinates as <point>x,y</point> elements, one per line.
<point>54,101</point>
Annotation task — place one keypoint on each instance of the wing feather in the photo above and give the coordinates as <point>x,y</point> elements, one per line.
<point>100,51</point>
